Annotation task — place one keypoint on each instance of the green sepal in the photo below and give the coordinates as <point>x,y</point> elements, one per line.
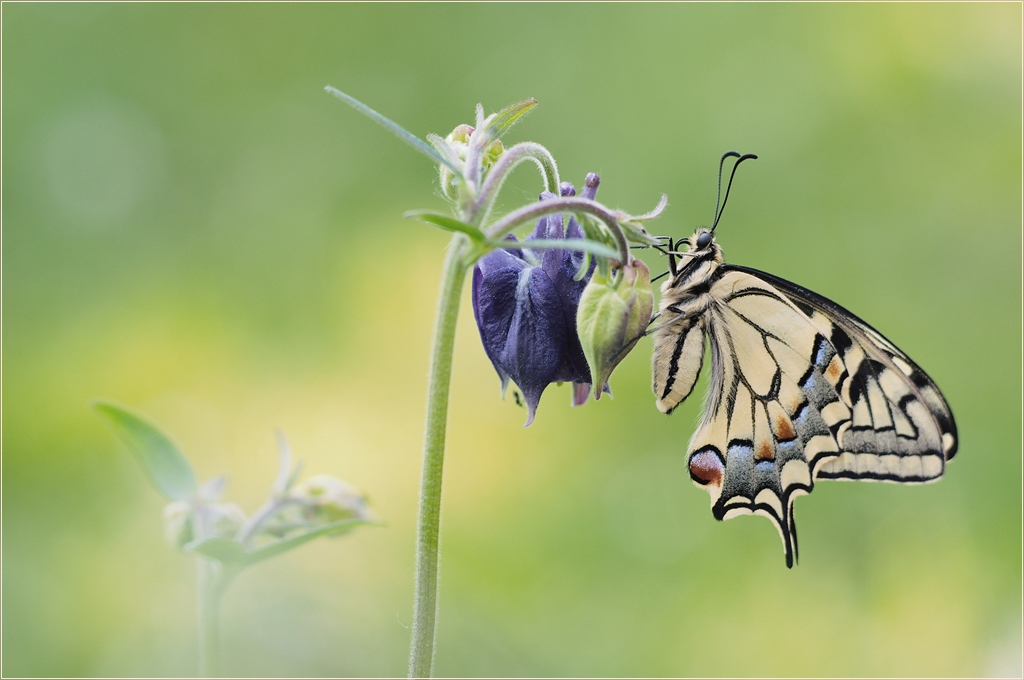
<point>635,233</point>
<point>447,223</point>
<point>501,121</point>
<point>399,131</point>
<point>161,460</point>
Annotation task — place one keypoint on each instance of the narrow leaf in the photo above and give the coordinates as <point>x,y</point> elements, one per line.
<point>400,131</point>
<point>578,244</point>
<point>286,544</point>
<point>446,223</point>
<point>163,463</point>
<point>442,146</point>
<point>222,549</point>
<point>508,116</point>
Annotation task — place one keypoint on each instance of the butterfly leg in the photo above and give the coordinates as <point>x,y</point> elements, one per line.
<point>629,344</point>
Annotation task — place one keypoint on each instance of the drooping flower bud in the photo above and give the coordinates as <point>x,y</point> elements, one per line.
<point>525,307</point>
<point>614,311</point>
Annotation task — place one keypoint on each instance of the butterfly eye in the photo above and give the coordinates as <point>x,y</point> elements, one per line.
<point>704,240</point>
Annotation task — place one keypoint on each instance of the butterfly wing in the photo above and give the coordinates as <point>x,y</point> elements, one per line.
<point>804,390</point>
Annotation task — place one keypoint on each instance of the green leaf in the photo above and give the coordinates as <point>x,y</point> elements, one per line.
<point>160,459</point>
<point>400,131</point>
<point>222,549</point>
<point>446,223</point>
<point>508,116</point>
<point>578,244</point>
<point>286,544</point>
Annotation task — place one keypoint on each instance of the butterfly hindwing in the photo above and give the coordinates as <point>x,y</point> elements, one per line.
<point>803,390</point>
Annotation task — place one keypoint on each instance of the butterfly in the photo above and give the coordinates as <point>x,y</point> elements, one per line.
<point>801,389</point>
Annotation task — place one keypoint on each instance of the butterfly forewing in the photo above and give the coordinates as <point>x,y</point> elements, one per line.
<point>801,390</point>
<point>905,413</point>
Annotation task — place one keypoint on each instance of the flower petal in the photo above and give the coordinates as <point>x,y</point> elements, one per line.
<point>534,351</point>
<point>494,280</point>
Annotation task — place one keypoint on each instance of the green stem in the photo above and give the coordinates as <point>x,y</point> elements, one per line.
<point>211,588</point>
<point>421,656</point>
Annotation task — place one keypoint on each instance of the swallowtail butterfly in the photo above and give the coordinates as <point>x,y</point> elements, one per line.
<point>801,389</point>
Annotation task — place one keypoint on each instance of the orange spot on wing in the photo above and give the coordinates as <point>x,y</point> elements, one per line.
<point>784,429</point>
<point>835,369</point>
<point>764,452</point>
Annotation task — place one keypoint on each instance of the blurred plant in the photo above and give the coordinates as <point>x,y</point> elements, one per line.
<point>526,297</point>
<point>220,535</point>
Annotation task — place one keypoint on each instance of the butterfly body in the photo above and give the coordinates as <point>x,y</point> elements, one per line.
<point>801,390</point>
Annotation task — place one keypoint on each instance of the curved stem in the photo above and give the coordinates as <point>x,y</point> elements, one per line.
<point>512,157</point>
<point>421,658</point>
<point>536,210</point>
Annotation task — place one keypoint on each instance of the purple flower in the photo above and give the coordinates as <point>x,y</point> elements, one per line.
<point>525,307</point>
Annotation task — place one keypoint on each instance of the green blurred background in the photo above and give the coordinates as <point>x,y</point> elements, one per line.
<point>191,226</point>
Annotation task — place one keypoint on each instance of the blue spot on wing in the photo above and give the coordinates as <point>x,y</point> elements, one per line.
<point>821,357</point>
<point>740,449</point>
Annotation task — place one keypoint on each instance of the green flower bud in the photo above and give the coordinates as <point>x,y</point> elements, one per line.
<point>613,314</point>
<point>492,153</point>
<point>178,524</point>
<point>461,134</point>
<point>325,499</point>
<point>458,140</point>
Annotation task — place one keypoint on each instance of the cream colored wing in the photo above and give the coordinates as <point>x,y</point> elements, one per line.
<point>803,390</point>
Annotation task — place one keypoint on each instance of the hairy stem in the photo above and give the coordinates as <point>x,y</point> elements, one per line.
<point>513,156</point>
<point>421,656</point>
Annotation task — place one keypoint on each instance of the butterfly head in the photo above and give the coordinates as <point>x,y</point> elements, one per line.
<point>702,246</point>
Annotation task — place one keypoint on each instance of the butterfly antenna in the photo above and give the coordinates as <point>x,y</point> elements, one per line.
<point>740,159</point>
<point>718,199</point>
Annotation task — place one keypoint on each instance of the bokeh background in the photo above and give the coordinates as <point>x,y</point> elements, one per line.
<point>192,227</point>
